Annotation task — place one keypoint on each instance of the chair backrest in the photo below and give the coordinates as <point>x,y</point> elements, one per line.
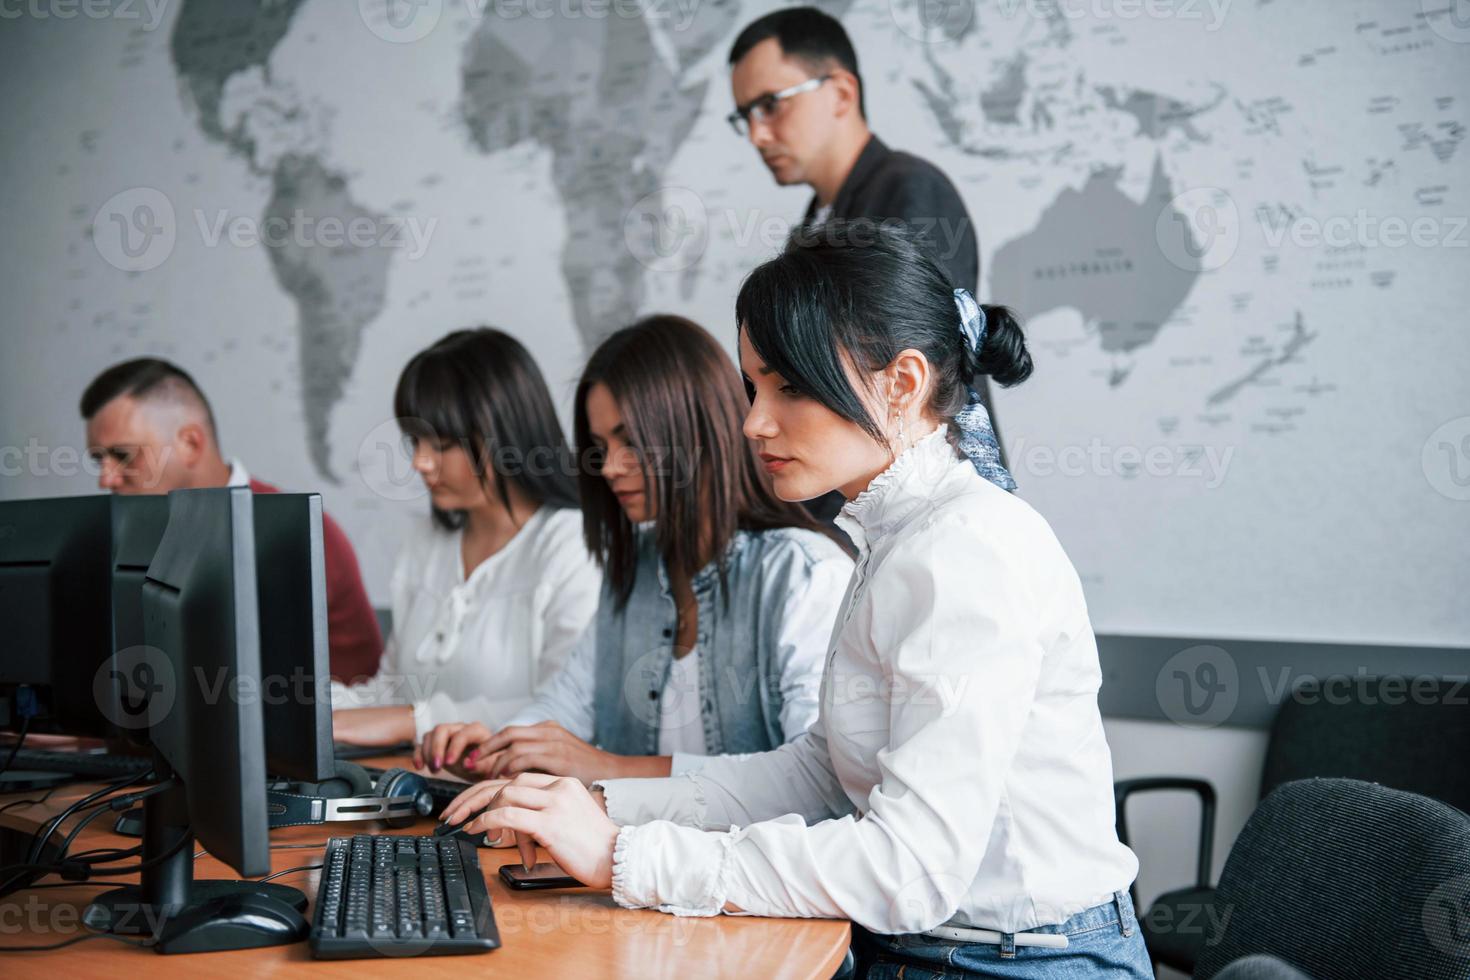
<point>1260,967</point>
<point>1411,734</point>
<point>1341,878</point>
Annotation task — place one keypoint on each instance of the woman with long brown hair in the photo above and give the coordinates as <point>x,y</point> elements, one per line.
<point>718,596</point>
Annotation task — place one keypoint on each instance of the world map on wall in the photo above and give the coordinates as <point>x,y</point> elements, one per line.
<point>613,107</point>
<point>1210,215</point>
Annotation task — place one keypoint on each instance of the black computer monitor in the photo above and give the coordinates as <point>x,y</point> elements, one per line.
<point>205,722</point>
<point>138,523</point>
<point>55,613</point>
<point>291,586</point>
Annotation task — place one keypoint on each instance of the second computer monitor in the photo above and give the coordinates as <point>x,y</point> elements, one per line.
<point>295,681</point>
<point>201,623</point>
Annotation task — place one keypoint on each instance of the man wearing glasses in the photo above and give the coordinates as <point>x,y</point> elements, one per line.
<point>799,100</point>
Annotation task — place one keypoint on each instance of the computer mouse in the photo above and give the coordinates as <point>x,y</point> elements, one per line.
<point>453,830</point>
<point>239,921</point>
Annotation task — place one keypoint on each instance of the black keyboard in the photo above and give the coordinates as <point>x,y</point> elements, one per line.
<point>401,896</point>
<point>441,791</point>
<point>79,763</point>
<point>349,753</point>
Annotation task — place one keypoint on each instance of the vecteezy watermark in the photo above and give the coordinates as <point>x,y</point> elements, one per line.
<point>669,229</point>
<point>149,12</point>
<point>1446,916</point>
<point>1446,459</point>
<point>925,901</point>
<point>858,689</point>
<point>36,916</point>
<point>1450,19</point>
<point>1362,229</point>
<point>932,20</point>
<point>406,21</point>
<point>312,231</point>
<point>568,916</point>
<point>1208,920</point>
<point>1207,464</point>
<point>1211,12</point>
<point>644,689</point>
<point>137,230</point>
<point>401,21</point>
<point>137,688</point>
<point>1199,230</point>
<point>677,14</point>
<point>1200,687</point>
<point>385,460</point>
<point>36,458</point>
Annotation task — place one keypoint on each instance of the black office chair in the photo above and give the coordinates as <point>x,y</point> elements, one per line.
<point>1260,967</point>
<point>1346,879</point>
<point>1408,734</point>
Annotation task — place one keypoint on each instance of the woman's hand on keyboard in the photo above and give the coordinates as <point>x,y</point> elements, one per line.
<point>448,745</point>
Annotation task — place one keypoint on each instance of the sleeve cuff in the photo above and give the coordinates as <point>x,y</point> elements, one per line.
<point>423,720</point>
<point>682,762</point>
<point>673,869</point>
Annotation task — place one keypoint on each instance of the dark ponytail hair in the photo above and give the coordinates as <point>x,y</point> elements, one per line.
<point>867,291</point>
<point>481,390</point>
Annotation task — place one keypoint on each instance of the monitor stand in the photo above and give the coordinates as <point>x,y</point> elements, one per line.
<point>188,915</point>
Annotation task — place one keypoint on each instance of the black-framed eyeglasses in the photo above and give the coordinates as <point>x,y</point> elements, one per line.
<point>764,108</point>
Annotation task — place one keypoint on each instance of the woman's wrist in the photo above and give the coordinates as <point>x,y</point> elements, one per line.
<point>404,729</point>
<point>644,766</point>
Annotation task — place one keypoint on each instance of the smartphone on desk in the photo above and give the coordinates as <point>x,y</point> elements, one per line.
<point>543,875</point>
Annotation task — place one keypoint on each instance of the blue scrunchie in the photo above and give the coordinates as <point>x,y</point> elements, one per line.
<point>977,436</point>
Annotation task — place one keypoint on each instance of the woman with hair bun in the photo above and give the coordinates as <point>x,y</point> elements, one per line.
<point>954,798</point>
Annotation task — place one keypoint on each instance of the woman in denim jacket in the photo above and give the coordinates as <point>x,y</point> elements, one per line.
<point>718,597</point>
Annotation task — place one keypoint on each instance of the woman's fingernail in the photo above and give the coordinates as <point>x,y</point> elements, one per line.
<point>474,754</point>
<point>438,761</point>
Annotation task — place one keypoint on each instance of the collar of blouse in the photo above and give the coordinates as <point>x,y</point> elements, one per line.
<point>898,491</point>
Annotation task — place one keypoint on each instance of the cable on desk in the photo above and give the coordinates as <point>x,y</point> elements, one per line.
<point>76,871</point>
<point>25,727</point>
<point>39,838</point>
<point>140,943</point>
<point>282,874</point>
<point>36,802</point>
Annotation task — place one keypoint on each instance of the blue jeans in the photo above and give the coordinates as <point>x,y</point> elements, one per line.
<point>1102,941</point>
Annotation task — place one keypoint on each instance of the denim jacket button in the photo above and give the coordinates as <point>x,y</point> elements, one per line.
<point>653,695</point>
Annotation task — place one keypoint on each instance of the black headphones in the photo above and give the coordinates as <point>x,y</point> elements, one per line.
<point>399,797</point>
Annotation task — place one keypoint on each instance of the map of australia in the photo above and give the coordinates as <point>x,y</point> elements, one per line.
<point>1095,250</point>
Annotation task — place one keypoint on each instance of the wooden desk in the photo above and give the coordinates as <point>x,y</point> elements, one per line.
<point>561,933</point>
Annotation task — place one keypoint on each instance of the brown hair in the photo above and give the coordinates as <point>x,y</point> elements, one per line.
<point>683,406</point>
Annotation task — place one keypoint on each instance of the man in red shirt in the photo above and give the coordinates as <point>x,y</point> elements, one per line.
<point>151,430</point>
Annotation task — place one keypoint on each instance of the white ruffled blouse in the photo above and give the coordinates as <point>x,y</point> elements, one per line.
<point>958,772</point>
